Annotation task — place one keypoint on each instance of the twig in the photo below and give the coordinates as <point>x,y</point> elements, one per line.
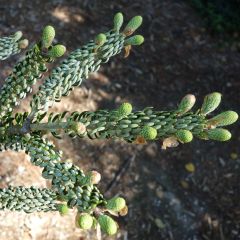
<point>123,168</point>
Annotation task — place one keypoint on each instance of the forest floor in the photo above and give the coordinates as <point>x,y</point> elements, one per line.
<point>179,56</point>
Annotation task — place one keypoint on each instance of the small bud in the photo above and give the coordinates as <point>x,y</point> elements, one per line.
<point>57,51</point>
<point>149,133</point>
<point>63,209</point>
<point>107,224</point>
<point>85,221</point>
<point>48,36</point>
<point>125,109</point>
<point>223,119</point>
<point>78,128</point>
<point>133,25</point>
<point>117,21</point>
<point>210,103</point>
<point>219,134</point>
<point>100,39</point>
<point>94,177</point>
<point>23,43</point>
<point>124,211</point>
<point>116,204</point>
<point>134,40</point>
<point>186,103</point>
<point>140,140</point>
<point>184,136</point>
<point>17,35</point>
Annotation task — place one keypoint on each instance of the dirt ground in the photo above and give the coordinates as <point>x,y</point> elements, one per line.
<point>179,56</point>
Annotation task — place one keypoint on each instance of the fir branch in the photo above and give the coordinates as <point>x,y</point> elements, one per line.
<point>71,187</point>
<point>24,75</point>
<point>28,199</point>
<point>84,61</point>
<point>148,124</point>
<point>68,181</point>
<point>12,45</point>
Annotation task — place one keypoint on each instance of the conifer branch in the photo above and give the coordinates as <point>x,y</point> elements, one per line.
<point>70,186</point>
<point>12,45</point>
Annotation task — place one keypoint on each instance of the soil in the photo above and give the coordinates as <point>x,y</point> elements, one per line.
<point>179,56</point>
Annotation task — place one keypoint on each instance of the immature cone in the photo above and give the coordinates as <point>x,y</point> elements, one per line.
<point>100,39</point>
<point>107,224</point>
<point>85,221</point>
<point>210,103</point>
<point>57,51</point>
<point>63,209</point>
<point>117,21</point>
<point>134,40</point>
<point>116,204</point>
<point>186,104</point>
<point>48,36</point>
<point>125,109</point>
<point>149,133</point>
<point>223,119</point>
<point>219,134</point>
<point>133,25</point>
<point>184,136</point>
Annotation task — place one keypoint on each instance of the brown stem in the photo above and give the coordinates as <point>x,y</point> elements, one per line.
<point>48,126</point>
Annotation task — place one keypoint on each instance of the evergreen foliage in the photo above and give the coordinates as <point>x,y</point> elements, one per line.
<point>71,188</point>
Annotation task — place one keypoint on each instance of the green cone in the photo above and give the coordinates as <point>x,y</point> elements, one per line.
<point>85,221</point>
<point>149,133</point>
<point>125,109</point>
<point>117,21</point>
<point>116,204</point>
<point>48,36</point>
<point>100,39</point>
<point>219,134</point>
<point>57,51</point>
<point>63,209</point>
<point>133,25</point>
<point>107,224</point>
<point>223,119</point>
<point>186,104</point>
<point>184,136</point>
<point>211,102</point>
<point>134,40</point>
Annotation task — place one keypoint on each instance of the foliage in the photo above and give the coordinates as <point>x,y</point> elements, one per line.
<point>71,187</point>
